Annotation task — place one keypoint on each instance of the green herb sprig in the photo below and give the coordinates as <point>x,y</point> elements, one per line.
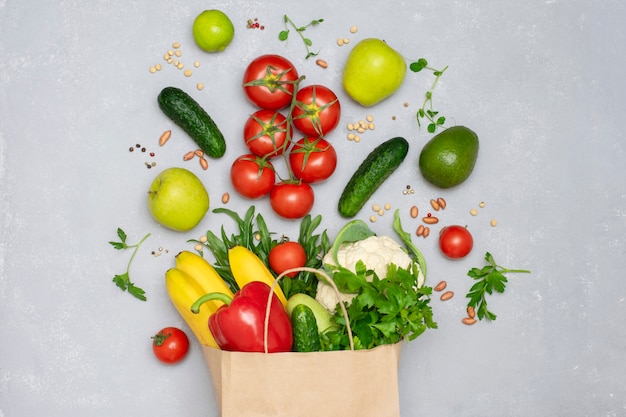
<point>123,281</point>
<point>284,34</point>
<point>490,278</point>
<point>427,111</point>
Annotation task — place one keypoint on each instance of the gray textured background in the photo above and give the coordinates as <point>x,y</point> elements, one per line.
<point>541,82</point>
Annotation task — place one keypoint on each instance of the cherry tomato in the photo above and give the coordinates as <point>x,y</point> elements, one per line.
<point>252,177</point>
<point>265,133</point>
<point>170,345</point>
<point>317,110</point>
<point>313,160</point>
<point>455,241</point>
<point>269,81</point>
<point>292,200</point>
<point>287,255</point>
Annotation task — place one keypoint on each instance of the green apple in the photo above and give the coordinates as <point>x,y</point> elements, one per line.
<point>177,199</point>
<point>373,72</point>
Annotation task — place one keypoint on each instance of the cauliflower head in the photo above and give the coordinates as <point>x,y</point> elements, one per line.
<point>376,252</point>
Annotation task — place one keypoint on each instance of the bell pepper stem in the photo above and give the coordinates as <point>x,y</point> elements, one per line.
<point>226,299</point>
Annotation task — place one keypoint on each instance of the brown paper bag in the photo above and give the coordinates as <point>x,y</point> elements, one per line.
<point>343,383</point>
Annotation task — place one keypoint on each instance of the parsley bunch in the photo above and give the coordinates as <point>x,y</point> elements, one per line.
<point>490,278</point>
<point>385,311</point>
<point>123,281</point>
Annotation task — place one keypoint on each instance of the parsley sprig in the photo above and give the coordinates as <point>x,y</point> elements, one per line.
<point>427,111</point>
<point>123,281</point>
<point>490,278</point>
<point>385,311</point>
<point>284,34</point>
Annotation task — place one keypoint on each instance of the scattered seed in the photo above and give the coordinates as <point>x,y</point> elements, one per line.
<point>340,42</point>
<point>387,206</point>
<point>178,53</point>
<point>354,29</point>
<point>393,117</point>
<point>225,198</point>
<point>376,207</point>
<point>165,137</point>
<point>346,41</point>
<point>200,86</point>
<point>426,231</point>
<point>153,70</point>
<point>198,247</point>
<point>474,212</point>
<point>131,149</point>
<point>257,236</point>
<point>176,45</point>
<point>406,104</point>
<point>441,286</point>
<point>152,154</point>
<point>189,155</point>
<point>360,130</point>
<point>381,212</point>
<point>369,118</point>
<point>350,126</point>
<point>373,219</point>
<point>188,73</point>
<point>199,152</point>
<point>446,295</point>
<point>470,312</point>
<point>357,138</point>
<point>203,239</point>
<point>469,321</point>
<point>204,164</point>
<point>143,149</point>
<point>434,204</point>
<point>351,136</point>
<point>196,64</point>
<point>158,67</point>
<point>442,203</point>
<point>482,204</point>
<point>414,212</point>
<point>493,223</point>
<point>430,220</point>
<point>371,126</point>
<point>420,230</point>
<point>322,63</point>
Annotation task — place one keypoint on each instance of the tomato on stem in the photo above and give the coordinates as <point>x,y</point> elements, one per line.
<point>252,176</point>
<point>269,81</point>
<point>313,160</point>
<point>291,199</point>
<point>265,133</point>
<point>287,255</point>
<point>317,110</point>
<point>455,241</point>
<point>170,345</point>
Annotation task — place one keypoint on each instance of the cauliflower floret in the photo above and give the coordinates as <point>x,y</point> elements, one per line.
<point>376,252</point>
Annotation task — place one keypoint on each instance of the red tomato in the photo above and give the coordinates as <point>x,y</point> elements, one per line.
<point>265,133</point>
<point>313,160</point>
<point>252,177</point>
<point>287,255</point>
<point>269,82</point>
<point>170,345</point>
<point>317,110</point>
<point>292,200</point>
<point>455,241</point>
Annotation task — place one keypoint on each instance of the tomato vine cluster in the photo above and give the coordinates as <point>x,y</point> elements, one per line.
<point>291,123</point>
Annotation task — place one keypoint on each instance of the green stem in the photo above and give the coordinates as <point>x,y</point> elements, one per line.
<point>136,246</point>
<point>226,299</point>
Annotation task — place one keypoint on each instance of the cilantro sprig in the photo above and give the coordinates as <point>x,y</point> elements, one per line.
<point>490,278</point>
<point>284,34</point>
<point>123,281</point>
<point>427,111</point>
<point>384,311</point>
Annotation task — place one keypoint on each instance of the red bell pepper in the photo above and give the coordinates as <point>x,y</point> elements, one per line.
<point>238,325</point>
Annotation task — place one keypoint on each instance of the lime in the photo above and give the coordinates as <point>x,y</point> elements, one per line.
<point>213,30</point>
<point>449,157</point>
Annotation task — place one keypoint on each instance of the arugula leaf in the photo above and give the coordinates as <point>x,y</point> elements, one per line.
<point>123,280</point>
<point>489,278</point>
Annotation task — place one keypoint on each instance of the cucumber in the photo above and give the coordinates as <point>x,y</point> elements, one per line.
<point>193,119</point>
<point>323,318</point>
<point>306,337</point>
<point>370,175</point>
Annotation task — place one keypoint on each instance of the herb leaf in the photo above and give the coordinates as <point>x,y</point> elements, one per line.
<point>426,111</point>
<point>123,281</point>
<point>489,278</point>
<point>283,35</point>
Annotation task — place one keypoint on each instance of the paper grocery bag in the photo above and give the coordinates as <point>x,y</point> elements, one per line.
<point>344,383</point>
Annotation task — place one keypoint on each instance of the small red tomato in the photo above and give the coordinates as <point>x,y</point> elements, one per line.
<point>292,200</point>
<point>455,241</point>
<point>252,177</point>
<point>317,110</point>
<point>170,345</point>
<point>287,255</point>
<point>313,160</point>
<point>265,133</point>
<point>269,81</point>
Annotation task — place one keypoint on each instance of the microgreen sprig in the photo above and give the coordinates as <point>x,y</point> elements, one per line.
<point>490,278</point>
<point>123,281</point>
<point>284,34</point>
<point>427,111</point>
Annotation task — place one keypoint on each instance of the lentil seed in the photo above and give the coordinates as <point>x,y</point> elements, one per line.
<point>440,286</point>
<point>420,230</point>
<point>199,152</point>
<point>204,164</point>
<point>482,204</point>
<point>354,29</point>
<point>493,223</point>
<point>225,198</point>
<point>200,86</point>
<point>165,137</point>
<point>373,219</point>
<point>474,212</point>
<point>426,231</point>
<point>414,212</point>
<point>446,295</point>
<point>469,321</point>
<point>322,63</point>
<point>430,220</point>
<point>434,204</point>
<point>188,73</point>
<point>387,206</point>
<point>470,312</point>
<point>442,203</point>
<point>189,155</point>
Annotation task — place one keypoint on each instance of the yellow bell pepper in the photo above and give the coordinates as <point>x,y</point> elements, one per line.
<point>246,267</point>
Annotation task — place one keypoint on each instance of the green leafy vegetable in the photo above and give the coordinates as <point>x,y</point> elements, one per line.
<point>123,281</point>
<point>406,238</point>
<point>384,311</point>
<point>427,111</point>
<point>353,231</point>
<point>284,34</point>
<point>489,279</point>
